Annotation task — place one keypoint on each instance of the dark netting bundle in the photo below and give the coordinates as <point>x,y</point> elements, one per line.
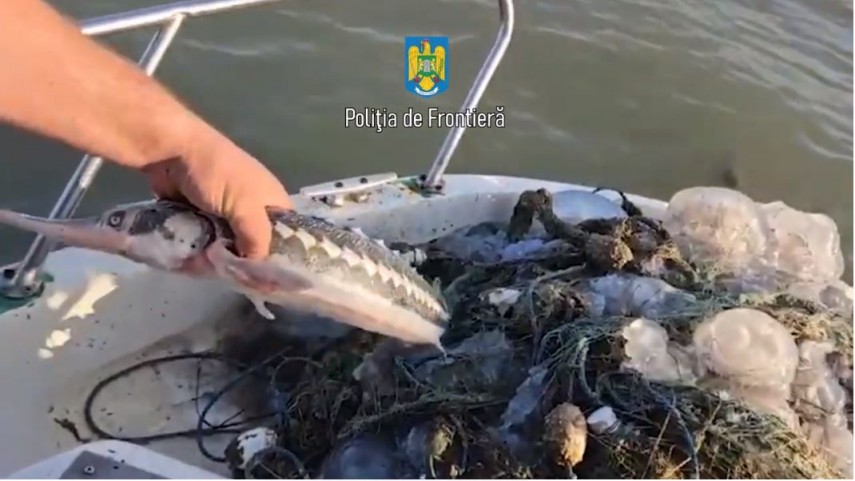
<point>701,346</point>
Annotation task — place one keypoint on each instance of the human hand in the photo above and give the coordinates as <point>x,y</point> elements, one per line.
<point>218,177</point>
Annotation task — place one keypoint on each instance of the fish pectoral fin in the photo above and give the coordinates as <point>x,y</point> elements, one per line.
<point>259,275</point>
<point>261,307</point>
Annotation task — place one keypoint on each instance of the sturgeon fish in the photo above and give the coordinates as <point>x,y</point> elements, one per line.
<point>314,266</point>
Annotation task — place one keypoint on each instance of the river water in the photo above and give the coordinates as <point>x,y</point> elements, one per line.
<point>649,96</point>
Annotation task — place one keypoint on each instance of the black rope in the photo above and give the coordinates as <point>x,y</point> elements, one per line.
<point>200,431</point>
<point>203,428</point>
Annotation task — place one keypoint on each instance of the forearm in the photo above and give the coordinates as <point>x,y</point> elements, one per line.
<point>58,82</point>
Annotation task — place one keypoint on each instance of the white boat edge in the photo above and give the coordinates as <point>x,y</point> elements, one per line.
<point>100,313</point>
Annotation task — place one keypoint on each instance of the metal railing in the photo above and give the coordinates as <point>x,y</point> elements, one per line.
<point>433,180</point>
<point>23,281</point>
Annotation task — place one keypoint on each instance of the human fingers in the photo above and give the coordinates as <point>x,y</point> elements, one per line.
<point>252,229</point>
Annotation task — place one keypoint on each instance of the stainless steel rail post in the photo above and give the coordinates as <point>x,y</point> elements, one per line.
<point>161,14</point>
<point>433,179</point>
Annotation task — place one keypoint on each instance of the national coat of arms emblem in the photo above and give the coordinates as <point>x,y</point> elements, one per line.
<point>426,65</point>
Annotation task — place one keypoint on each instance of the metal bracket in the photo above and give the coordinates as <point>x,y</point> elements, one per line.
<point>335,193</point>
<point>19,290</point>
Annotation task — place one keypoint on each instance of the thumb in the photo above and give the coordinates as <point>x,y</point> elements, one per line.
<point>253,232</point>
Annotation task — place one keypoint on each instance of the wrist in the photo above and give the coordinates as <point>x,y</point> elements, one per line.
<point>171,135</point>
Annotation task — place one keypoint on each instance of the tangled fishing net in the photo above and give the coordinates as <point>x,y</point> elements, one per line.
<point>715,343</point>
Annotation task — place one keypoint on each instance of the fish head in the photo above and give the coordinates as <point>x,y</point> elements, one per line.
<point>162,234</point>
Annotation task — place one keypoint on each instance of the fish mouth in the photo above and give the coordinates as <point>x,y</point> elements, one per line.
<point>82,232</point>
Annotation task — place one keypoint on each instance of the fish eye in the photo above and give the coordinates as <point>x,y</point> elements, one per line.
<point>115,219</point>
